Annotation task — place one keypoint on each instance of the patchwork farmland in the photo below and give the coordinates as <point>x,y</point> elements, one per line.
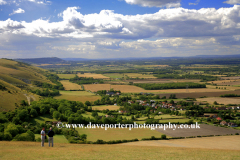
<point>70,86</point>
<point>81,96</point>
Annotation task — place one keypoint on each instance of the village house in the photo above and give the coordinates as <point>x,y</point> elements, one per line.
<point>109,116</point>
<point>110,93</point>
<point>122,112</point>
<point>223,123</point>
<point>221,108</point>
<point>56,123</point>
<point>230,124</point>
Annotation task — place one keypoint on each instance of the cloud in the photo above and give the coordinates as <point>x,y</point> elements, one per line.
<point>176,31</point>
<point>195,3</point>
<point>175,22</point>
<point>232,2</point>
<point>19,10</point>
<point>45,2</point>
<point>2,2</point>
<point>10,25</point>
<point>155,3</point>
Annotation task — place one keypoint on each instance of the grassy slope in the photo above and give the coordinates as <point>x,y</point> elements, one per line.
<point>13,74</point>
<point>33,150</point>
<point>57,138</point>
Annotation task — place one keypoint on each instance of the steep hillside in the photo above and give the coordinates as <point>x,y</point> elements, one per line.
<point>18,78</point>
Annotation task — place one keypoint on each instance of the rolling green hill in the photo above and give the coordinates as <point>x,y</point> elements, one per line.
<point>17,78</point>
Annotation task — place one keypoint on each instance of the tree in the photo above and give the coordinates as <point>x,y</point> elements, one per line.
<point>56,115</point>
<point>172,102</point>
<point>87,103</point>
<point>163,136</point>
<point>33,113</point>
<point>83,137</point>
<point>94,114</point>
<point>23,115</point>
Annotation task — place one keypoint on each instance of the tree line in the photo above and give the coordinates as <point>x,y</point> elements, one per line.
<point>160,86</point>
<point>84,80</point>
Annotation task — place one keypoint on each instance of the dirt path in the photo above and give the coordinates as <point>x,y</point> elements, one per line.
<point>29,98</point>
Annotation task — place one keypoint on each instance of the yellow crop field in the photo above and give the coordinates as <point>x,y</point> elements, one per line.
<point>81,96</point>
<point>122,88</point>
<point>70,86</point>
<point>93,75</point>
<point>135,75</point>
<point>111,107</point>
<point>220,100</point>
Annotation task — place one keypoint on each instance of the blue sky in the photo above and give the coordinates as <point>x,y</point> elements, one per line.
<point>118,28</point>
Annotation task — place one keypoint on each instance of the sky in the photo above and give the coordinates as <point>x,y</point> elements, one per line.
<point>98,29</point>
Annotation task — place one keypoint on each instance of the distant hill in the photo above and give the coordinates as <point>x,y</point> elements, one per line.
<point>17,77</point>
<point>47,60</point>
<point>75,59</point>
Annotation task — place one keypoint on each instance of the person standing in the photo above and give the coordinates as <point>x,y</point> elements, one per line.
<point>50,136</point>
<point>43,136</point>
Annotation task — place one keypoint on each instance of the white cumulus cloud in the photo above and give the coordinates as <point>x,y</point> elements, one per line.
<point>232,2</point>
<point>109,34</point>
<point>19,10</point>
<point>155,3</point>
<point>2,2</point>
<point>40,1</point>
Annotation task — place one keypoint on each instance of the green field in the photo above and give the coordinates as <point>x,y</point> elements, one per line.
<point>66,76</point>
<point>56,139</point>
<point>42,119</point>
<point>167,116</point>
<point>81,96</point>
<point>117,134</point>
<point>89,114</point>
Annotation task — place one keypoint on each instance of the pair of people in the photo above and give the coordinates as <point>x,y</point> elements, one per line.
<point>50,136</point>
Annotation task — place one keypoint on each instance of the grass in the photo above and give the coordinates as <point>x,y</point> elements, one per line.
<point>167,116</point>
<point>42,119</point>
<point>140,151</point>
<point>66,76</point>
<point>8,100</point>
<point>135,75</point>
<point>56,139</point>
<point>81,96</point>
<point>117,134</point>
<point>174,120</point>
<point>89,114</point>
